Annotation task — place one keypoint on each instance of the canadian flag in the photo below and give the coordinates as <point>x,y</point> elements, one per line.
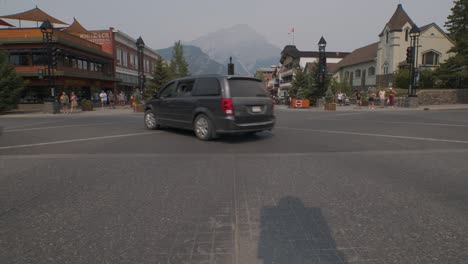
<point>292,30</point>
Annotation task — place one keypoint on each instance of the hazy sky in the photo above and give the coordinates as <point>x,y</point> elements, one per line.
<point>345,24</point>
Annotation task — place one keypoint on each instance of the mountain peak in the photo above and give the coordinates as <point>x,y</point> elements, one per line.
<point>240,41</point>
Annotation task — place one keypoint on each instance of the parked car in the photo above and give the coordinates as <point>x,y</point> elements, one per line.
<point>212,105</point>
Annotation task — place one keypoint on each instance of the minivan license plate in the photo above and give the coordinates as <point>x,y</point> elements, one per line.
<point>256,109</point>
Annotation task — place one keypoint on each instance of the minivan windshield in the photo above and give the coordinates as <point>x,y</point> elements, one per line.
<point>247,88</point>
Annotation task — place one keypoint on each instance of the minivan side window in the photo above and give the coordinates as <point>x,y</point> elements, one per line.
<point>184,88</point>
<point>168,91</point>
<point>208,87</point>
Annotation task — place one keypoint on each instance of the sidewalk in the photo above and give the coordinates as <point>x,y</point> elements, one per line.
<point>353,108</point>
<point>98,111</point>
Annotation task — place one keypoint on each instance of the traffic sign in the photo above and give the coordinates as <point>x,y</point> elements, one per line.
<point>298,103</point>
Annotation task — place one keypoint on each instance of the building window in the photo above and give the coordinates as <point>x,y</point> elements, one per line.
<point>358,73</point>
<point>119,57</point>
<point>132,61</point>
<point>85,65</point>
<point>407,34</point>
<point>125,59</point>
<point>22,59</point>
<point>430,58</point>
<point>385,68</point>
<point>136,62</point>
<point>346,74</point>
<point>371,71</point>
<point>388,34</point>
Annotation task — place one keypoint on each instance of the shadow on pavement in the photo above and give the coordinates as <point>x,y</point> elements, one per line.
<point>293,234</point>
<point>227,138</point>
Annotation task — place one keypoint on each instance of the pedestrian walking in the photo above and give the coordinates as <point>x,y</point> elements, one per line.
<point>111,99</point>
<point>103,97</point>
<point>340,98</point>
<point>358,99</point>
<point>391,98</point>
<point>64,101</point>
<point>372,96</point>
<point>132,103</point>
<point>74,102</point>
<point>382,98</point>
<point>122,98</point>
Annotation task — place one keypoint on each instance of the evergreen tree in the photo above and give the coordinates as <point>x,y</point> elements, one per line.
<point>179,66</point>
<point>11,84</point>
<point>456,68</point>
<point>161,76</point>
<point>300,88</point>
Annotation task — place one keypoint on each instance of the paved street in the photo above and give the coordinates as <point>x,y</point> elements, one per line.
<point>382,186</point>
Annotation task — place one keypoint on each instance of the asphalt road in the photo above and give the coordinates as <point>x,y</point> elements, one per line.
<point>338,187</point>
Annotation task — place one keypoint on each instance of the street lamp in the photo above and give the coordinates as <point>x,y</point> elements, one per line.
<point>414,35</point>
<point>322,61</point>
<point>140,44</point>
<point>47,30</point>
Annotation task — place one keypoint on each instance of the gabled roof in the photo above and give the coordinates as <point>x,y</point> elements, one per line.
<point>398,20</point>
<point>34,14</point>
<point>4,23</point>
<point>361,55</point>
<point>426,27</point>
<point>76,28</point>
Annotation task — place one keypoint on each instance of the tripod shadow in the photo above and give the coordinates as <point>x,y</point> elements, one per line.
<point>293,234</point>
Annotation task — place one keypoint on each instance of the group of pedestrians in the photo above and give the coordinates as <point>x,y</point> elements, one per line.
<point>68,103</point>
<point>110,98</point>
<point>382,96</point>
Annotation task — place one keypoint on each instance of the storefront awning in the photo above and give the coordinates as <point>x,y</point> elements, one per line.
<point>34,14</point>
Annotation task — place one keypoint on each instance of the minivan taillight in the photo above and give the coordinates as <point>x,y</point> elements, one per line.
<point>227,106</point>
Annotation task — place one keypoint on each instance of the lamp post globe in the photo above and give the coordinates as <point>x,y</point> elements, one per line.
<point>46,27</point>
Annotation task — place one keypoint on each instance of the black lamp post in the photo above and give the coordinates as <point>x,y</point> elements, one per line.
<point>322,61</point>
<point>140,47</point>
<point>47,30</point>
<point>414,34</point>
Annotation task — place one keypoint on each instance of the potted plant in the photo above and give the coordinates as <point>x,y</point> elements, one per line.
<point>86,105</point>
<point>139,105</point>
<point>330,104</point>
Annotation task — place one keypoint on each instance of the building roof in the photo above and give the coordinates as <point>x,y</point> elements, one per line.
<point>292,51</point>
<point>361,55</point>
<point>4,23</point>
<point>331,67</point>
<point>34,14</point>
<point>425,27</point>
<point>76,28</point>
<point>398,20</point>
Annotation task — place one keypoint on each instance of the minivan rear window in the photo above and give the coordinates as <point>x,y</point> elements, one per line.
<point>247,88</point>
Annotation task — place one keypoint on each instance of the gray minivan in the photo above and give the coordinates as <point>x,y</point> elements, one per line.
<point>212,105</point>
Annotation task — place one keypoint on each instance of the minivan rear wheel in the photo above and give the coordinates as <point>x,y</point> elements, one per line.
<point>203,127</point>
<point>150,120</point>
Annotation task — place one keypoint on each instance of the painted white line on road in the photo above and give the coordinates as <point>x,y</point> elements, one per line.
<point>75,140</point>
<point>374,135</point>
<point>51,127</point>
<point>384,122</point>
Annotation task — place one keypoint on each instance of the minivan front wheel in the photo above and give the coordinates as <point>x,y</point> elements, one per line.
<point>150,120</point>
<point>203,127</point>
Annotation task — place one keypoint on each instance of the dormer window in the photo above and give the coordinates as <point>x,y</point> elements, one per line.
<point>388,34</point>
<point>407,34</point>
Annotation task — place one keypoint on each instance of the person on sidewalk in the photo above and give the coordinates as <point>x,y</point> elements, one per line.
<point>340,98</point>
<point>382,98</point>
<point>111,99</point>
<point>103,97</point>
<point>372,96</point>
<point>74,102</point>
<point>64,101</point>
<point>122,99</point>
<point>358,99</point>
<point>391,98</point>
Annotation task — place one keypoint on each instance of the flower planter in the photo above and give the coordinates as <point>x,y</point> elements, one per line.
<point>140,108</point>
<point>330,106</point>
<point>87,108</point>
<point>300,103</point>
